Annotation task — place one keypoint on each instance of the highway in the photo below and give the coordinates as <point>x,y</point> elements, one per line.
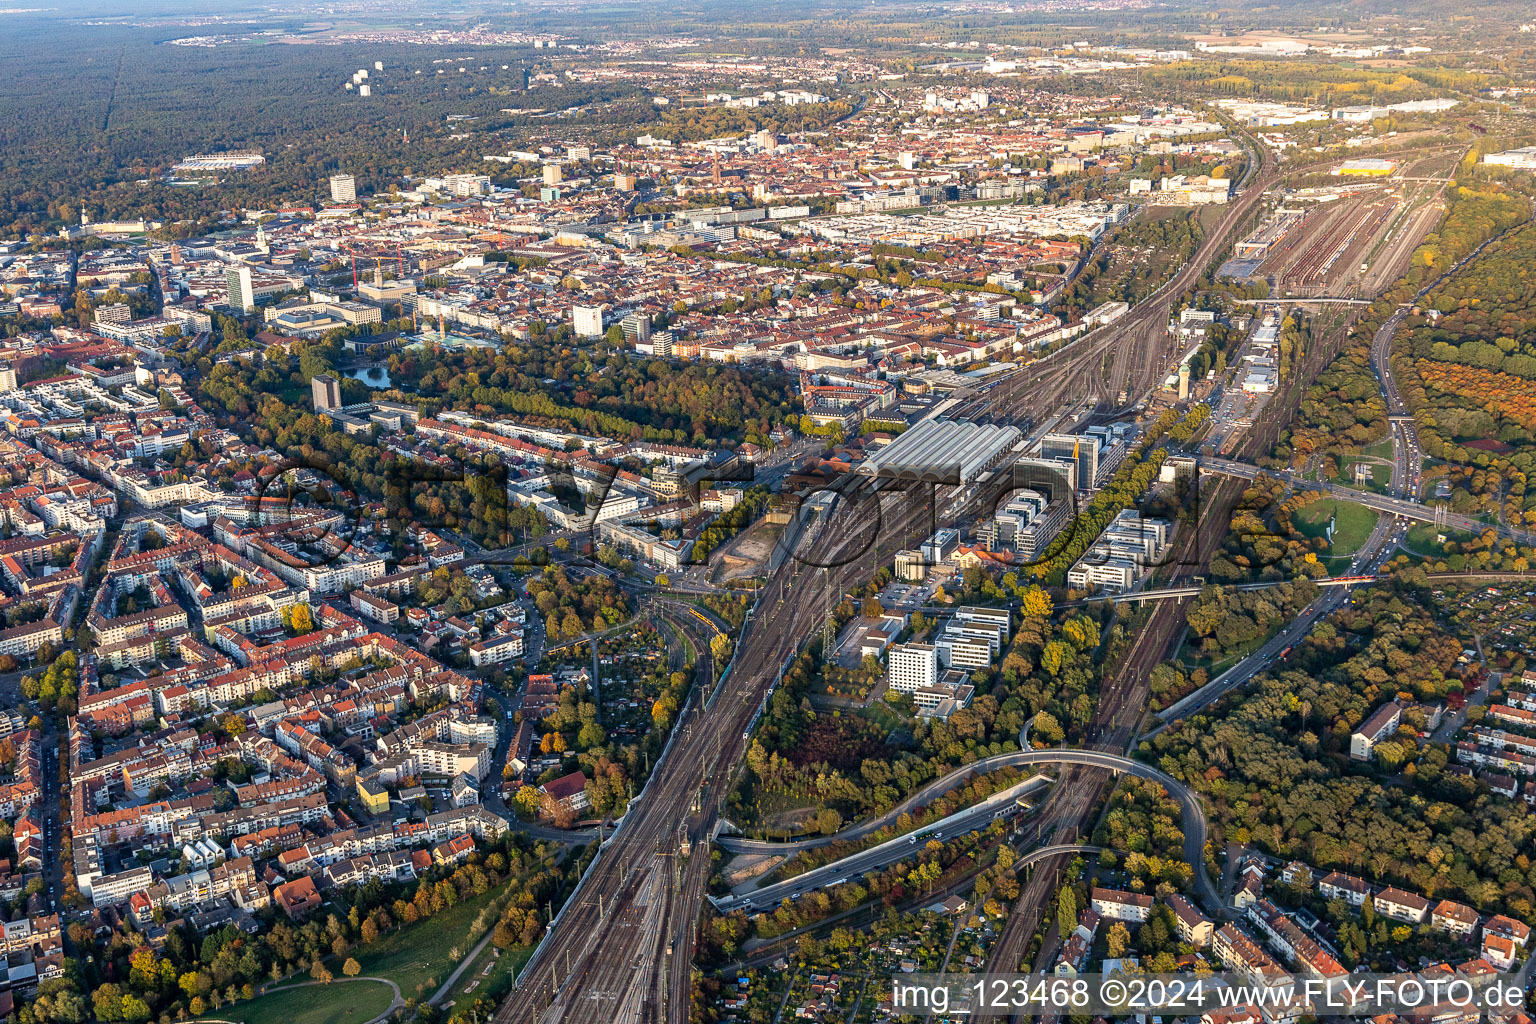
<point>1407,454</point>
<point>1407,470</point>
<point>1368,559</point>
<point>619,950</point>
<point>1407,508</point>
<point>1124,695</point>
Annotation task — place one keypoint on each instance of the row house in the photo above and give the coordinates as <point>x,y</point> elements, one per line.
<point>1287,937</point>
<point>303,810</point>
<point>1522,717</point>
<point>1238,951</point>
<point>302,784</point>
<point>268,842</point>
<point>1472,753</point>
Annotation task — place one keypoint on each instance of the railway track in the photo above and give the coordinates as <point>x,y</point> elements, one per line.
<point>577,973</point>
<point>1124,695</point>
<point>1067,813</point>
<point>600,965</point>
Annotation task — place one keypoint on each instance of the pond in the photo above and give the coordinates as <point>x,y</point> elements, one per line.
<point>373,376</point>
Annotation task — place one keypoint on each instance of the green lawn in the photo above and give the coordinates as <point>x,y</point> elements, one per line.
<point>1381,449</point>
<point>1423,539</point>
<point>885,716</point>
<point>351,1002</point>
<point>510,960</point>
<point>1378,476</point>
<point>418,954</point>
<point>1190,657</point>
<point>1352,526</point>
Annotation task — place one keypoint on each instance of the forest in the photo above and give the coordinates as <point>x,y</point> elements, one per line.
<point>1141,824</point>
<point>1469,373</point>
<point>91,118</point>
<point>572,607</point>
<point>1272,764</point>
<point>1223,621</point>
<point>1341,411</point>
<point>548,381</point>
<point>1311,82</point>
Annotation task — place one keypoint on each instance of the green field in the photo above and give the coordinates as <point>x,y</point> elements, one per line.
<point>1378,475</point>
<point>477,980</point>
<point>416,956</point>
<point>1422,539</point>
<point>1381,449</point>
<point>1352,526</point>
<point>341,1002</point>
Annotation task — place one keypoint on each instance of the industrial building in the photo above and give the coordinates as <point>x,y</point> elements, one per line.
<point>1261,357</point>
<point>1366,167</point>
<point>943,451</point>
<point>1522,159</point>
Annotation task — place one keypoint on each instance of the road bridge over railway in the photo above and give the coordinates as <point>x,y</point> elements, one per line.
<point>1193,815</point>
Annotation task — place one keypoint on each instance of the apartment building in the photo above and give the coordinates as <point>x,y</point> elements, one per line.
<point>1379,725</point>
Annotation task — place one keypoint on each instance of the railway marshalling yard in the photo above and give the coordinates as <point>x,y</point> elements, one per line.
<point>1349,240</point>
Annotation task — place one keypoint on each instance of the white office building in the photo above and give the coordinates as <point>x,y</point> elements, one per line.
<point>1522,159</point>
<point>1123,554</point>
<point>912,667</point>
<point>242,292</point>
<point>343,188</point>
<point>587,321</point>
<point>1025,525</point>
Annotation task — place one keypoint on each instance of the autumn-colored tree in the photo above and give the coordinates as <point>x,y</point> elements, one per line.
<point>298,619</point>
